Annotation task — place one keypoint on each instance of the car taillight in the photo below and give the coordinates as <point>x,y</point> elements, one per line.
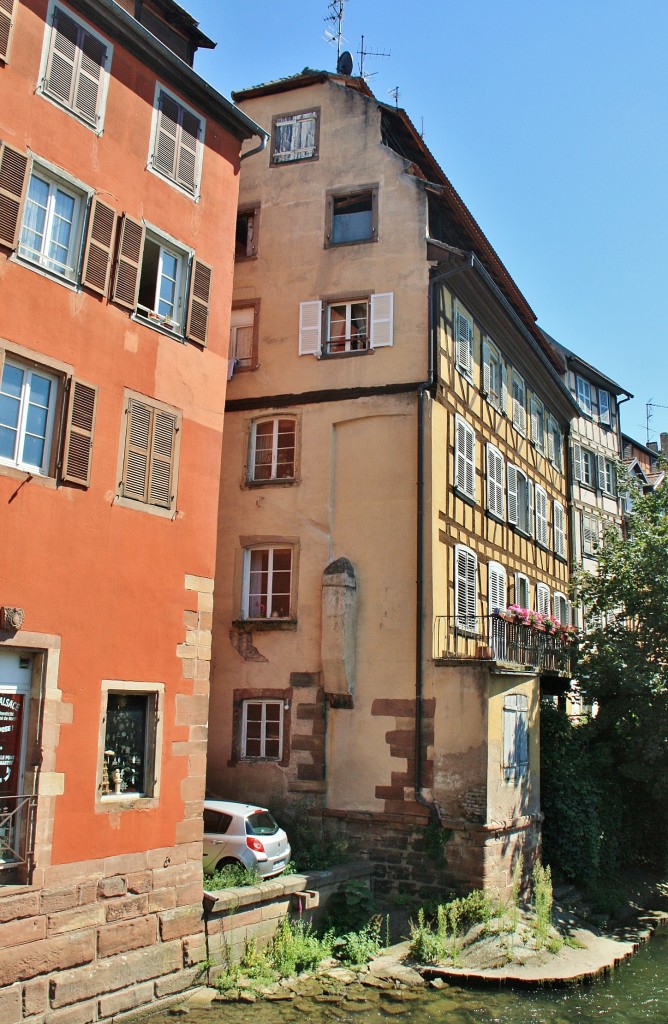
<point>254,844</point>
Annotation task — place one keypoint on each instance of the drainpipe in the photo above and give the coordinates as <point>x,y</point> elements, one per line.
<point>264,139</point>
<point>424,390</point>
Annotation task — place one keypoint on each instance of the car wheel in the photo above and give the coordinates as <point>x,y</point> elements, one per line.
<point>226,862</point>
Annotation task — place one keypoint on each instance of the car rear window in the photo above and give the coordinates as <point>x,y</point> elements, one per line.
<point>215,821</point>
<point>261,823</point>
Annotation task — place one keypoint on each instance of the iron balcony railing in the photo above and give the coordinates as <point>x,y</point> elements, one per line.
<point>17,828</point>
<point>493,638</point>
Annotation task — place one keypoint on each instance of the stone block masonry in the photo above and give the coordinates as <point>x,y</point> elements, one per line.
<point>89,941</point>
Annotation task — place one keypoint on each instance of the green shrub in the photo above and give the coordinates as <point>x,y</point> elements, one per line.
<point>230,876</point>
<point>295,947</point>
<point>542,903</point>
<point>358,948</point>
<point>350,909</point>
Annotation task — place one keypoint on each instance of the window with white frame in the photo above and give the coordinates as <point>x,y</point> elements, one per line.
<point>28,397</point>
<point>463,341</point>
<point>496,499</point>
<point>262,730</point>
<point>177,139</point>
<point>464,458</point>
<point>520,500</point>
<point>537,423</point>
<point>604,412</point>
<point>272,449</point>
<point>542,599</point>
<point>561,609</point>
<point>522,592</point>
<point>161,281</point>
<point>590,535</point>
<point>515,735</point>
<point>75,66</point>
<point>583,391</point>
<point>131,738</point>
<point>33,399</point>
<point>267,584</point>
<point>588,468</point>
<point>466,589</point>
<point>519,404</point>
<point>559,521</point>
<point>542,526</point>
<point>346,326</point>
<point>295,136</point>
<point>493,375</point>
<point>52,223</point>
<point>554,443</point>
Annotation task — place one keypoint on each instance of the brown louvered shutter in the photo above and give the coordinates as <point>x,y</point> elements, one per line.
<point>13,180</point>
<point>80,425</point>
<point>6,26</point>
<point>186,157</point>
<point>164,156</point>
<point>198,302</point>
<point>92,59</point>
<point>137,451</point>
<point>99,241</point>
<point>162,459</point>
<point>130,247</point>
<point>60,68</point>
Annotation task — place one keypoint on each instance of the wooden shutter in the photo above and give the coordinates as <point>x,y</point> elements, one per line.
<point>600,474</point>
<point>130,249</point>
<point>603,406</point>
<point>465,588</point>
<point>495,494</point>
<point>310,328</point>
<point>542,599</point>
<point>162,459</point>
<point>186,154</point>
<point>529,509</point>
<point>61,64</point>
<point>577,462</point>
<point>137,450</point>
<point>382,320</point>
<point>486,369</point>
<point>7,9</point>
<point>167,127</point>
<point>79,429</point>
<point>13,183</point>
<point>464,342</point>
<point>99,242</point>
<point>559,532</point>
<point>504,389</point>
<point>550,438</point>
<point>512,494</point>
<point>91,64</point>
<point>496,587</point>
<point>198,302</point>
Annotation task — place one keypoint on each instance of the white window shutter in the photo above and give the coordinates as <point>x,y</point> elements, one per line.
<point>464,342</point>
<point>550,438</point>
<point>530,529</point>
<point>600,472</point>
<point>382,320</point>
<point>486,369</point>
<point>496,587</point>
<point>465,588</point>
<point>504,389</point>
<point>577,462</point>
<point>495,482</point>
<point>512,494</point>
<point>603,406</point>
<point>310,328</point>
<point>559,529</point>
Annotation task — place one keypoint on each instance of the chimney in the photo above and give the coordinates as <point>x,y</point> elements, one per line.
<point>664,444</point>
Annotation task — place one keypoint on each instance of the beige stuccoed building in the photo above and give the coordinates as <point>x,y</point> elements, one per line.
<point>394,479</point>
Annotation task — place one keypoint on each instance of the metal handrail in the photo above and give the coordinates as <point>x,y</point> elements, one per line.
<point>495,638</point>
<point>17,827</point>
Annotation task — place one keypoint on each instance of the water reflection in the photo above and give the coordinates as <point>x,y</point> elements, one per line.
<point>636,993</point>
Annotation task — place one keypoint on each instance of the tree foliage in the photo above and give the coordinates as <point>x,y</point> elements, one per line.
<point>623,670</point>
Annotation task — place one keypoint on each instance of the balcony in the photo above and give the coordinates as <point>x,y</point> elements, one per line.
<point>17,826</point>
<point>504,640</point>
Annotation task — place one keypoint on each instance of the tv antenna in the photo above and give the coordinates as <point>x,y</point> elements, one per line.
<point>648,416</point>
<point>394,93</point>
<point>335,18</point>
<point>369,53</point>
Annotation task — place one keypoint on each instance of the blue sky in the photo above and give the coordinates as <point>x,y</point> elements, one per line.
<point>549,118</point>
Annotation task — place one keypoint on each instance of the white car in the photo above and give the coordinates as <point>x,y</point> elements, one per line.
<point>245,835</point>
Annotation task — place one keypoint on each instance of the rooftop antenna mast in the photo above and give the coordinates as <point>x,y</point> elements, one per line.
<point>335,18</point>
<point>648,416</point>
<point>394,93</point>
<point>362,53</point>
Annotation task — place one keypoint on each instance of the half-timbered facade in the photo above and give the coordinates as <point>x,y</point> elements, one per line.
<point>393,481</point>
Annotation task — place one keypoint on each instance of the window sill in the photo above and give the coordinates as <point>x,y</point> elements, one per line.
<point>266,625</point>
<point>125,802</point>
<point>464,373</point>
<point>515,772</point>
<point>355,241</point>
<point>466,498</point>
<point>156,325</point>
<point>344,355</point>
<point>194,195</point>
<point>560,558</point>
<point>50,275</point>
<point>497,519</point>
<point>97,129</point>
<point>28,476</point>
<point>288,481</point>
<point>142,506</point>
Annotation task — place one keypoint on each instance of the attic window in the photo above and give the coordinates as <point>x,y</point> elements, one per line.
<point>295,136</point>
<point>352,217</point>
<point>246,233</point>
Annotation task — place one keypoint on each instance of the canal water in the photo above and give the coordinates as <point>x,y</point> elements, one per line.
<point>635,993</point>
